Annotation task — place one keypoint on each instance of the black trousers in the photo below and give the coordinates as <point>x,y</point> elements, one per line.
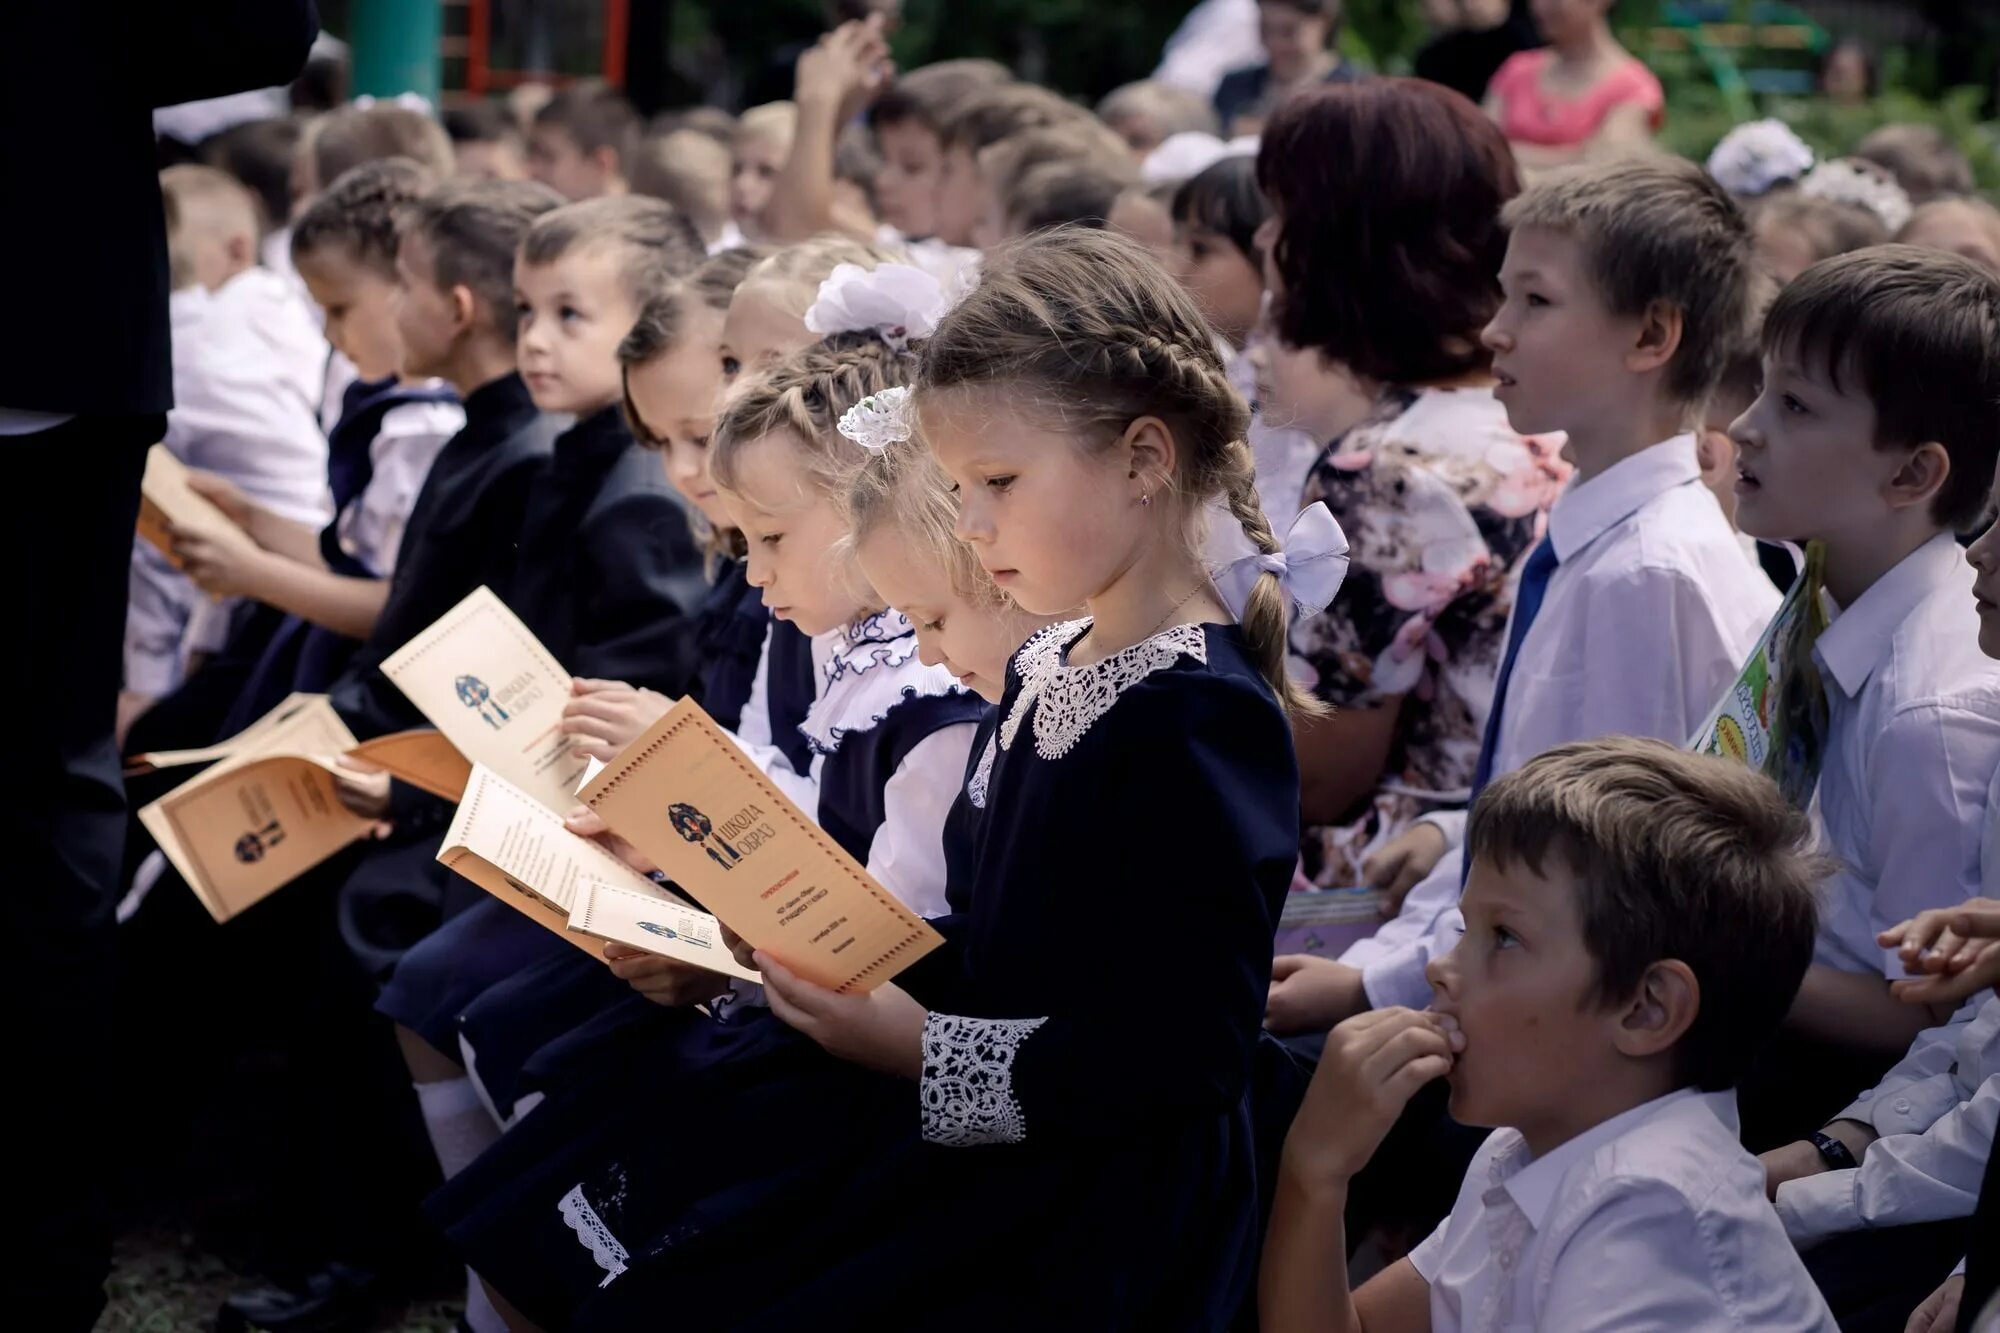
<point>66,552</point>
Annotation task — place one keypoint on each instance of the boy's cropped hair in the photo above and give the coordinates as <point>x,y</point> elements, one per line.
<point>594,115</point>
<point>1676,856</point>
<point>932,94</point>
<point>259,153</point>
<point>689,170</point>
<point>353,135</point>
<point>360,212</point>
<point>1656,228</point>
<point>993,115</point>
<point>473,229</point>
<point>480,122</point>
<point>1918,331</point>
<point>1172,109</point>
<point>1921,159</point>
<point>658,244</point>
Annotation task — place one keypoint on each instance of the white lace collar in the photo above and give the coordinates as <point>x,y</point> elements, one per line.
<point>1071,698</point>
<point>871,667</point>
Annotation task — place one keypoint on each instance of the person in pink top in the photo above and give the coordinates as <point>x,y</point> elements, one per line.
<point>1581,93</point>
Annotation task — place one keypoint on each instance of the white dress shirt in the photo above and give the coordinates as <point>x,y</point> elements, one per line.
<point>1646,621</point>
<point>1935,1112</point>
<point>247,367</point>
<point>371,529</point>
<point>1913,741</point>
<point>1653,1222</point>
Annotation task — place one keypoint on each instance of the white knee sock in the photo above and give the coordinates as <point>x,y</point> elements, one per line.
<point>461,1128</point>
<point>459,1125</point>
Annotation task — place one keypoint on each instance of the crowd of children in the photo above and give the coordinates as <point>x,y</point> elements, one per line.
<point>1112,537</point>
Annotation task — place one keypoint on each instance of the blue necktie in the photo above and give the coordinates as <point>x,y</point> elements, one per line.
<point>1527,603</point>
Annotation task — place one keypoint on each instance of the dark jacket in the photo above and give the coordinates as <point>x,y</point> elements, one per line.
<point>80,215</point>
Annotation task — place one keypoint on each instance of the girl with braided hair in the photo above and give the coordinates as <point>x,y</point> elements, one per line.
<point>891,732</point>
<point>1003,1103</point>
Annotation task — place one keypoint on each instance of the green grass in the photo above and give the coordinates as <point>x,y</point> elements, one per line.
<point>163,1282</point>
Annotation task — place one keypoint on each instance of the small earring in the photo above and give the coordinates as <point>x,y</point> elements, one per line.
<point>1146,499</point>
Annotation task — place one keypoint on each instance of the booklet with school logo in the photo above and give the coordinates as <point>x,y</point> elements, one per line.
<point>657,924</point>
<point>264,813</point>
<point>1773,717</point>
<point>491,689</point>
<point>688,798</point>
<point>165,499</point>
<point>517,849</point>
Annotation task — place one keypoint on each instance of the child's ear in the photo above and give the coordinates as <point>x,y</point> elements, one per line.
<point>464,309</point>
<point>1921,476</point>
<point>606,160</point>
<point>1660,1011</point>
<point>1659,338</point>
<point>1150,451</point>
<point>242,250</point>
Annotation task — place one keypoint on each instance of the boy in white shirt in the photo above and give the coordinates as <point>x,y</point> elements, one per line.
<point>247,367</point>
<point>1637,921</point>
<point>1875,435</point>
<point>1626,285</point>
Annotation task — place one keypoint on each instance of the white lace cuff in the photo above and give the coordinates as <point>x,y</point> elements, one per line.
<point>968,1083</point>
<point>593,1234</point>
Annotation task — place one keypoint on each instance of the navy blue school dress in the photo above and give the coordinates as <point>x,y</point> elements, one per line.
<point>1071,1156</point>
<point>879,710</point>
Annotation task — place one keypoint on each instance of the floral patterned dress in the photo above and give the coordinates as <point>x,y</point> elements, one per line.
<point>1441,501</point>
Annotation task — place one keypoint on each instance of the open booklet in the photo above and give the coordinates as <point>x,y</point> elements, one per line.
<point>1773,717</point>
<point>492,690</point>
<point>266,812</point>
<point>688,798</point>
<point>166,500</point>
<point>517,849</point>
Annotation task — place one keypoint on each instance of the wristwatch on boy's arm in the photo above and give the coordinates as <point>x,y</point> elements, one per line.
<point>1836,1155</point>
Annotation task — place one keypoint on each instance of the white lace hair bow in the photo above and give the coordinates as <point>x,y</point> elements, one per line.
<point>896,302</point>
<point>879,420</point>
<point>1757,155</point>
<point>1311,562</point>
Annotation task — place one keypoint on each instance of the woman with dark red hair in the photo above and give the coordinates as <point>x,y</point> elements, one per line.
<point>1382,256</point>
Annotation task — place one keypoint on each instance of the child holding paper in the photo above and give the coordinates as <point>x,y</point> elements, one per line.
<point>391,427</point>
<point>1123,1200</point>
<point>515,998</point>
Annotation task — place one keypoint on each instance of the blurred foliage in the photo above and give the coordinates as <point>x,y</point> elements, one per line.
<point>1698,117</point>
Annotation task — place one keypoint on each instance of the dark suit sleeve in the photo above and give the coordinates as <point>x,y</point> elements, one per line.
<point>641,566</point>
<point>209,48</point>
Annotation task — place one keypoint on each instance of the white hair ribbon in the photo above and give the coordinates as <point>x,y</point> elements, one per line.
<point>896,302</point>
<point>1311,562</point>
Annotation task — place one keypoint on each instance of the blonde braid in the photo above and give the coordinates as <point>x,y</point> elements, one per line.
<point>1266,617</point>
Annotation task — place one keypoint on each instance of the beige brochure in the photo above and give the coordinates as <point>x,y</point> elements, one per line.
<point>688,798</point>
<point>421,757</point>
<point>263,815</point>
<point>245,740</point>
<point>496,694</point>
<point>166,499</point>
<point>656,924</point>
<point>518,850</point>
